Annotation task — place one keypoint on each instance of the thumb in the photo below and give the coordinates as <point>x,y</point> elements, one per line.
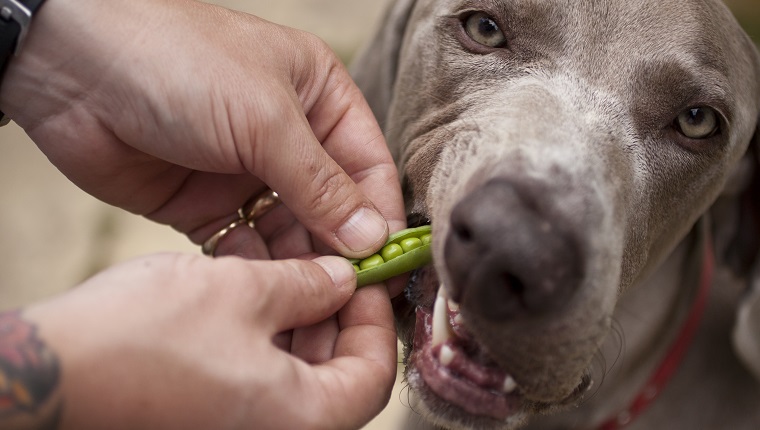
<point>299,293</point>
<point>320,193</point>
<point>320,147</point>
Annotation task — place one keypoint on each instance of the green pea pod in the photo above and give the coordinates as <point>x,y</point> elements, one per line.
<point>415,243</point>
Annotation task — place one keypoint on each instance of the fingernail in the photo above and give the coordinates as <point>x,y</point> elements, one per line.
<point>365,230</point>
<point>340,270</point>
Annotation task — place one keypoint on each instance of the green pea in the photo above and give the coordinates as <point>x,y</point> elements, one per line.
<point>356,267</point>
<point>391,251</point>
<point>371,261</point>
<point>405,251</point>
<point>410,244</point>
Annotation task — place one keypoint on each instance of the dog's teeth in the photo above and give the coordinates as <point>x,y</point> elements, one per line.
<point>447,355</point>
<point>458,320</point>
<point>453,306</point>
<point>509,385</point>
<point>441,331</point>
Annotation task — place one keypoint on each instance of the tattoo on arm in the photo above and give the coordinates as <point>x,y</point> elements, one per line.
<point>29,374</point>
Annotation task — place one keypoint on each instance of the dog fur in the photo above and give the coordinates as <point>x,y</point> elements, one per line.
<point>561,144</point>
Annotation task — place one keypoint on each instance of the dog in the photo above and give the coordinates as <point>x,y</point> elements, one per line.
<point>585,164</point>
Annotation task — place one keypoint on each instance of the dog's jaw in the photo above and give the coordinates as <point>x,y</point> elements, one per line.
<point>454,383</point>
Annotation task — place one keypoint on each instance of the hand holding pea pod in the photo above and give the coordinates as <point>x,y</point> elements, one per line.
<point>405,251</point>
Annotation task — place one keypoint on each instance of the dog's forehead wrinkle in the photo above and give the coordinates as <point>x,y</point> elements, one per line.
<point>550,119</point>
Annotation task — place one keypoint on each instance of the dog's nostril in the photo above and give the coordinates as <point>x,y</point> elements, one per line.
<point>502,298</point>
<point>515,286</point>
<point>463,232</point>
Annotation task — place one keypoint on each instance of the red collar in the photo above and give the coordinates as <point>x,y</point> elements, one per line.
<point>668,366</point>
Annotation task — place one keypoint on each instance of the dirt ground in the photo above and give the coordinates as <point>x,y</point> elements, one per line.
<point>54,235</point>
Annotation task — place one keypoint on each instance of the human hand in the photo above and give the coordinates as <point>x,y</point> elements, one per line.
<point>181,111</point>
<point>176,341</point>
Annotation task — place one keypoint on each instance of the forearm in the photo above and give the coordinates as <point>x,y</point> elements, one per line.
<point>30,376</point>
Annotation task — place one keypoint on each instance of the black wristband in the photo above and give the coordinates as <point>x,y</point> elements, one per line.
<point>15,18</point>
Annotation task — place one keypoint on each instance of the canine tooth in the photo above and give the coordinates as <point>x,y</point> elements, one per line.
<point>441,331</point>
<point>509,385</point>
<point>447,355</point>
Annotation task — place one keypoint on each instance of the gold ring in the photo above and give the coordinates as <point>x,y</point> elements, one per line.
<point>252,210</point>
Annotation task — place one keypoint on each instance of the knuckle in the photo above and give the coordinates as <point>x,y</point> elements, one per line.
<point>310,275</point>
<point>303,279</point>
<point>318,46</point>
<point>329,189</point>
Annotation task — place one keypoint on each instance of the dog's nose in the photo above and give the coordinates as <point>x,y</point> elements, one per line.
<point>507,257</point>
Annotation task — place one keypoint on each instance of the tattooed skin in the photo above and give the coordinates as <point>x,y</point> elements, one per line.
<point>29,371</point>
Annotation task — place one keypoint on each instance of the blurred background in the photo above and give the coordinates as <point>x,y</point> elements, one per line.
<point>53,235</point>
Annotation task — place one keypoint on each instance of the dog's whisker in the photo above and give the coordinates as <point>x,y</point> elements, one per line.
<point>405,389</point>
<point>617,330</point>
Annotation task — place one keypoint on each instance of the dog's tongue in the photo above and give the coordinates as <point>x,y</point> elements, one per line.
<point>453,367</point>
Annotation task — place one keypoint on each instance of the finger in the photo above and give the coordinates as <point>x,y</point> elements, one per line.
<point>298,293</point>
<point>320,194</point>
<point>355,141</point>
<point>359,380</point>
<point>315,344</point>
<point>397,285</point>
<point>369,310</point>
<point>350,389</point>
<point>285,236</point>
<point>244,242</point>
<point>203,203</point>
<point>283,340</point>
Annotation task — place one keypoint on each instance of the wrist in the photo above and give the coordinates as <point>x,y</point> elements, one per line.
<point>24,81</point>
<point>15,20</point>
<point>66,57</point>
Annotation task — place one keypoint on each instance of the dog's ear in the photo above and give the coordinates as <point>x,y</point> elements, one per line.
<point>736,215</point>
<point>746,335</point>
<point>746,260</point>
<point>374,69</point>
<point>743,257</point>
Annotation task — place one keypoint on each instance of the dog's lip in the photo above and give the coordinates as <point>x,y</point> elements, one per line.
<point>466,380</point>
<point>452,375</point>
<point>482,394</point>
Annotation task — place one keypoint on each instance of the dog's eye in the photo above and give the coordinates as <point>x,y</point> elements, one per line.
<point>484,30</point>
<point>698,123</point>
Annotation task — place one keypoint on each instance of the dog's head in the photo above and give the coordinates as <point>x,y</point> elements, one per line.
<point>561,150</point>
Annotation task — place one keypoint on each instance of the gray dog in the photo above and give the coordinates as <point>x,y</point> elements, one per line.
<point>581,161</point>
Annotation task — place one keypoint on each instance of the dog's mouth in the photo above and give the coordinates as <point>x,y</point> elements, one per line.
<point>446,367</point>
<point>455,368</point>
<point>449,371</point>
